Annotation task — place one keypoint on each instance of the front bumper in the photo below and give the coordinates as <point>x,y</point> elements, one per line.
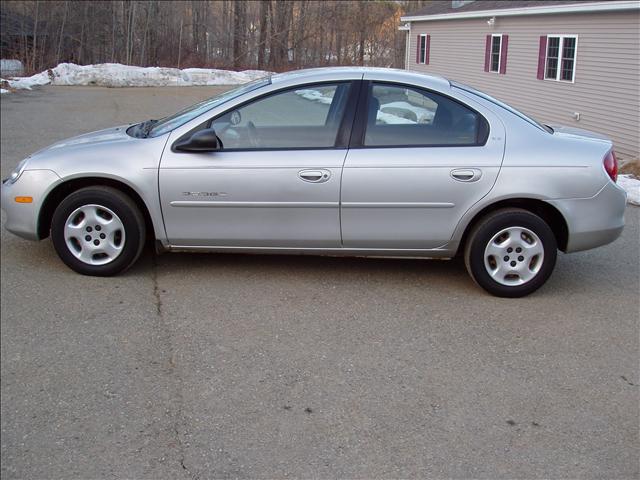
<point>594,221</point>
<point>22,218</point>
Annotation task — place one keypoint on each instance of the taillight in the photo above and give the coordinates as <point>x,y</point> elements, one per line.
<point>611,165</point>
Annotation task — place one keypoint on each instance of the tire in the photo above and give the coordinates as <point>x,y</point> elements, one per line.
<point>511,252</point>
<point>98,231</point>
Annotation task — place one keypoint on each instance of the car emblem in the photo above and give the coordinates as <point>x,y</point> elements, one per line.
<point>204,194</point>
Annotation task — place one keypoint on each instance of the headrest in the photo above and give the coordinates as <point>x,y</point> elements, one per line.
<point>374,106</point>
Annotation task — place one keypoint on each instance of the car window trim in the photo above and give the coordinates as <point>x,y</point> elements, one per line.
<point>360,127</point>
<point>347,124</point>
<point>339,143</point>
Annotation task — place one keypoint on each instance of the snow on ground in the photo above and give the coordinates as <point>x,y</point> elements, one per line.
<point>2,90</point>
<point>118,75</point>
<point>632,186</point>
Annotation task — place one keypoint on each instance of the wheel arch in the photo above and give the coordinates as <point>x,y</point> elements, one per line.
<point>62,190</point>
<point>550,214</point>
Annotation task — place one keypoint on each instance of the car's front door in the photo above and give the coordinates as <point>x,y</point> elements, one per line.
<point>421,161</point>
<point>274,183</point>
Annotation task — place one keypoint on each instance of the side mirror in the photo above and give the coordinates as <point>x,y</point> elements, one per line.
<point>201,141</point>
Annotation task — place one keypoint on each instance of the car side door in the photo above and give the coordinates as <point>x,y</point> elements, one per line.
<point>418,161</point>
<point>275,180</point>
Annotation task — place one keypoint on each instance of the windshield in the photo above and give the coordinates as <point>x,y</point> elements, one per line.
<point>176,120</point>
<point>510,109</point>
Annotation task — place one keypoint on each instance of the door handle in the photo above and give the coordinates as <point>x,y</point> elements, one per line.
<point>466,174</point>
<point>314,176</point>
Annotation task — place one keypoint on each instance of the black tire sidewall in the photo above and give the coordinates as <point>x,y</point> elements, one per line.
<point>485,231</point>
<point>122,206</point>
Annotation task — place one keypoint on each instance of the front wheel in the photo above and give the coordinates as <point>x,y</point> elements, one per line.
<point>511,252</point>
<point>98,231</point>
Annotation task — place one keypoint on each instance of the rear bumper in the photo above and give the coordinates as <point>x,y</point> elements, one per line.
<point>594,221</point>
<point>22,218</point>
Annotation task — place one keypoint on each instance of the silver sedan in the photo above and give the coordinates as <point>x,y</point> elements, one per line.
<point>336,161</point>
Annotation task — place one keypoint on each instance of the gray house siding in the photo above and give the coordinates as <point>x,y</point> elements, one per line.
<point>606,92</point>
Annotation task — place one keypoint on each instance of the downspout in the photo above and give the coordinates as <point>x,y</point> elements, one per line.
<point>408,47</point>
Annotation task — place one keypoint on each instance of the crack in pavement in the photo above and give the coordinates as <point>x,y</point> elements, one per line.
<point>176,411</point>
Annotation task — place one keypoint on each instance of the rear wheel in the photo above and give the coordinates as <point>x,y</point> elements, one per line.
<point>98,231</point>
<point>511,252</point>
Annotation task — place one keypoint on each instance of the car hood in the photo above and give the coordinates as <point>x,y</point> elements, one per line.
<point>108,135</point>
<point>109,151</point>
<point>572,132</point>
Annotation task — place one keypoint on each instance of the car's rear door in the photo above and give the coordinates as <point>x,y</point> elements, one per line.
<point>275,182</point>
<point>419,160</point>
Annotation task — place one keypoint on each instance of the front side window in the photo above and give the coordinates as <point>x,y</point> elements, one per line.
<point>406,116</point>
<point>305,117</point>
<point>176,120</point>
<point>560,58</point>
<point>496,45</point>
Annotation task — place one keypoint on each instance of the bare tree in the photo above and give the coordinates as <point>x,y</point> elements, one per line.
<point>265,11</point>
<point>239,27</point>
<point>274,34</point>
<point>35,35</point>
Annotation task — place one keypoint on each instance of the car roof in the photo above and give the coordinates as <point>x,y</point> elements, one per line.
<point>324,74</point>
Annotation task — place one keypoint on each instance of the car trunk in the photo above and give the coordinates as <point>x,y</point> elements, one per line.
<point>572,132</point>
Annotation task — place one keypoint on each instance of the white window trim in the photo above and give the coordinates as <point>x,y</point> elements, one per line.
<point>423,58</point>
<point>562,36</point>
<point>499,53</point>
<point>409,37</point>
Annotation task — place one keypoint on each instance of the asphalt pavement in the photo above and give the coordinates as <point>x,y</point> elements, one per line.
<point>240,366</point>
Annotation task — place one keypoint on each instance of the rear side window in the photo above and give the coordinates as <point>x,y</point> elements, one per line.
<point>500,104</point>
<point>306,117</point>
<point>406,116</point>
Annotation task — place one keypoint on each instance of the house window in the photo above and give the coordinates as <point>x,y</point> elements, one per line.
<point>495,53</point>
<point>423,49</point>
<point>560,62</point>
<point>496,45</point>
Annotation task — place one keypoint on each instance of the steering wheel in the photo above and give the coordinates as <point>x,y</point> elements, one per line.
<point>252,133</point>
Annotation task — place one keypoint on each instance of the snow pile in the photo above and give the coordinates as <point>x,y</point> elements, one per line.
<point>26,83</point>
<point>4,86</point>
<point>632,186</point>
<point>209,76</point>
<point>118,75</point>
